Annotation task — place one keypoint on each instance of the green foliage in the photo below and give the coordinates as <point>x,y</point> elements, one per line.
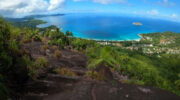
<point>57,54</point>
<point>82,44</point>
<point>69,34</point>
<point>29,64</point>
<point>140,70</point>
<point>13,45</point>
<point>102,56</point>
<point>37,38</point>
<point>162,72</point>
<point>44,47</point>
<point>58,38</point>
<point>134,81</point>
<point>3,89</point>
<point>29,35</point>
<point>56,34</point>
<point>144,70</point>
<point>29,23</point>
<point>40,62</point>
<point>5,58</point>
<point>65,71</point>
<point>60,43</point>
<point>34,66</point>
<point>9,59</point>
<point>92,74</point>
<point>177,83</point>
<point>156,38</point>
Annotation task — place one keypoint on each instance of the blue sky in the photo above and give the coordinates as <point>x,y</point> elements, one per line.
<point>162,9</point>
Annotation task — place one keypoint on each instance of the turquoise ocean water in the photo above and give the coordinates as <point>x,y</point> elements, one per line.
<point>109,27</point>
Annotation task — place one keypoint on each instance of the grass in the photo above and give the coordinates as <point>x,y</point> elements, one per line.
<point>44,39</point>
<point>40,62</point>
<point>44,47</point>
<point>141,69</point>
<point>13,45</point>
<point>65,71</point>
<point>37,38</point>
<point>34,66</point>
<point>3,90</point>
<point>94,75</point>
<point>25,41</point>
<point>55,47</point>
<point>57,54</point>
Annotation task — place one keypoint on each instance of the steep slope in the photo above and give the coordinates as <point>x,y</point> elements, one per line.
<point>53,86</point>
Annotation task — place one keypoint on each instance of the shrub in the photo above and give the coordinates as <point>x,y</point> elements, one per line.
<point>139,69</point>
<point>94,75</point>
<point>60,43</point>
<point>3,90</point>
<point>100,55</point>
<point>65,71</point>
<point>57,54</point>
<point>82,44</point>
<point>40,62</point>
<point>13,45</point>
<point>52,42</point>
<point>24,40</point>
<point>37,38</point>
<point>44,47</point>
<point>56,34</point>
<point>34,66</point>
<point>69,34</point>
<point>55,47</point>
<point>44,39</point>
<point>177,83</point>
<point>29,64</point>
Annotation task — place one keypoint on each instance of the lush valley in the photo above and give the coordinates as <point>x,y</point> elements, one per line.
<point>30,54</point>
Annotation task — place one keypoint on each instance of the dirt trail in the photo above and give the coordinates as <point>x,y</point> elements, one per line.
<point>51,86</point>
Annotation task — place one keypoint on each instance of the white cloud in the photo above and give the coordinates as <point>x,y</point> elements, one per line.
<point>17,7</point>
<point>174,16</point>
<point>79,0</point>
<point>109,1</point>
<point>10,5</point>
<point>165,3</point>
<point>54,4</point>
<point>23,7</point>
<point>168,3</point>
<point>103,1</point>
<point>32,6</point>
<point>153,12</point>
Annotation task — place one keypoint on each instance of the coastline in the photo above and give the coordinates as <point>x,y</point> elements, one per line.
<point>98,40</point>
<point>103,40</point>
<point>127,40</point>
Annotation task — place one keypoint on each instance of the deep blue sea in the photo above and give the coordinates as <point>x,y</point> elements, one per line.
<point>109,27</point>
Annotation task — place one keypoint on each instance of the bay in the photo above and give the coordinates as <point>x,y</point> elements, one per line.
<point>109,27</point>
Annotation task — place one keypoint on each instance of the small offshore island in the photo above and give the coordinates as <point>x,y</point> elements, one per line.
<point>48,64</point>
<point>137,23</point>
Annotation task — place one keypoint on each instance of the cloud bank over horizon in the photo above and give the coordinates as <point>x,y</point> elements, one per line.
<point>148,8</point>
<point>109,1</point>
<point>23,7</point>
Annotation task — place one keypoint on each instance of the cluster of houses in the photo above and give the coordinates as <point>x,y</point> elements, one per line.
<point>166,41</point>
<point>148,48</point>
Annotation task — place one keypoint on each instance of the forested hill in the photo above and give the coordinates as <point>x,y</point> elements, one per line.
<point>30,21</point>
<point>47,64</point>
